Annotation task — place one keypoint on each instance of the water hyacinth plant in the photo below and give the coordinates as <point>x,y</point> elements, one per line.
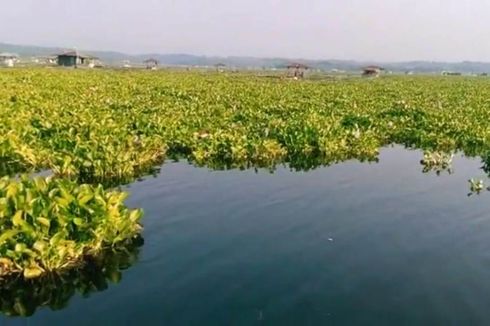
<point>50,225</point>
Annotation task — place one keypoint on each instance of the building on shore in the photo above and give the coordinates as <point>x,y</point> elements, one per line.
<point>297,70</point>
<point>8,59</point>
<point>151,63</point>
<point>126,64</point>
<point>75,59</point>
<point>220,67</point>
<point>372,71</point>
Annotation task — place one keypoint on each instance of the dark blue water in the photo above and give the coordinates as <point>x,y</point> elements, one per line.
<point>350,244</point>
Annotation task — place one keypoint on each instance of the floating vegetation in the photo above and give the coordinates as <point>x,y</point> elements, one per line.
<point>96,125</point>
<point>49,225</point>
<point>476,186</point>
<point>437,162</point>
<point>21,297</point>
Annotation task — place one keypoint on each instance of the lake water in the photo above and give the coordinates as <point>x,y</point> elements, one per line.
<point>350,244</point>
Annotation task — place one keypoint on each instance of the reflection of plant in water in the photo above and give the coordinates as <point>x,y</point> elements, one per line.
<point>486,163</point>
<point>437,162</point>
<point>476,185</point>
<point>20,297</point>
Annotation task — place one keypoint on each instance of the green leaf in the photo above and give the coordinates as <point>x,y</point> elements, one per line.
<point>135,215</point>
<point>63,202</point>
<point>44,221</point>
<point>79,221</point>
<point>33,272</point>
<point>85,199</point>
<point>40,245</point>
<point>20,247</point>
<point>40,183</point>
<point>11,190</point>
<point>7,235</point>
<point>17,218</point>
<point>58,237</point>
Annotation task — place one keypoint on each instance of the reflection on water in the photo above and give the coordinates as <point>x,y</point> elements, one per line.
<point>437,162</point>
<point>19,297</point>
<point>385,243</point>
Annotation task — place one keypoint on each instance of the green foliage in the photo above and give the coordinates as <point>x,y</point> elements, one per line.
<point>49,225</point>
<point>110,126</point>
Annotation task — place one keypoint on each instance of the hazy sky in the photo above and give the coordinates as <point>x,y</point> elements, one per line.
<point>391,30</point>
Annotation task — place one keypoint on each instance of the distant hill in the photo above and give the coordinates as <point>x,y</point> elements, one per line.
<point>116,58</point>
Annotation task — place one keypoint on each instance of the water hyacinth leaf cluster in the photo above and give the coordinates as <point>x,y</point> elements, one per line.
<point>49,224</point>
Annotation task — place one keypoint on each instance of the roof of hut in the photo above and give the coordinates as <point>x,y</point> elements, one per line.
<point>297,65</point>
<point>75,53</point>
<point>8,55</point>
<point>372,67</point>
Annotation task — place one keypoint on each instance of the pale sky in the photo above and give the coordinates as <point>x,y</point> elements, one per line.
<point>384,30</point>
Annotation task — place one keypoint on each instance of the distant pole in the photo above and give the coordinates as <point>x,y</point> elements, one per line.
<point>76,57</point>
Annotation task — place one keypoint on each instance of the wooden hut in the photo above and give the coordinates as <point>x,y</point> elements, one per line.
<point>220,67</point>
<point>151,63</point>
<point>75,59</point>
<point>297,70</point>
<point>372,71</point>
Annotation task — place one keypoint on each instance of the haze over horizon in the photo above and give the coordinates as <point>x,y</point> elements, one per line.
<point>375,30</point>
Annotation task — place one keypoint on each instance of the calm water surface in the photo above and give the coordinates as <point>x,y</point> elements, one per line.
<point>354,243</point>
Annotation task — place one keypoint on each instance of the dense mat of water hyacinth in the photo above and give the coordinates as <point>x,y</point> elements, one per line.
<point>109,124</point>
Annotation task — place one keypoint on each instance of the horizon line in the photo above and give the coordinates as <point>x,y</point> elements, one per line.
<point>150,53</point>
